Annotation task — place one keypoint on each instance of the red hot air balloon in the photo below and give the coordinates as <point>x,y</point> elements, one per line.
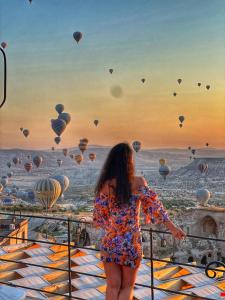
<point>92,156</point>
<point>28,166</point>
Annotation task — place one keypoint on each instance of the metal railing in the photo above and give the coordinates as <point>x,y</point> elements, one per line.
<point>209,270</point>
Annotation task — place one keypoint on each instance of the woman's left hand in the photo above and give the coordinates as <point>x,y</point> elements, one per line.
<point>178,233</point>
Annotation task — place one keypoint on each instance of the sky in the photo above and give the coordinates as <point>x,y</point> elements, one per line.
<point>160,41</point>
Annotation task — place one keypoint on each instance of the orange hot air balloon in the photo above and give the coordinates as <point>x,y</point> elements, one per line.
<point>79,158</point>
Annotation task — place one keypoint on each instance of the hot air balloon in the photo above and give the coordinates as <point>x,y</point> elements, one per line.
<point>207,144</point>
<point>15,160</point>
<point>57,140</point>
<point>193,151</point>
<point>10,174</point>
<point>82,146</point>
<point>143,80</point>
<point>203,196</point>
<point>208,87</point>
<point>136,146</point>
<point>4,45</point>
<point>162,161</point>
<point>92,156</point>
<point>26,132</point>
<point>37,160</point>
<point>78,158</point>
<point>58,125</point>
<point>164,170</point>
<point>96,122</point>
<point>9,164</point>
<point>63,181</point>
<point>65,117</point>
<point>111,71</point>
<point>199,84</point>
<point>21,128</point>
<point>181,119</point>
<point>77,36</point>
<point>4,182</point>
<point>65,151</point>
<point>59,162</point>
<point>203,167</point>
<point>71,156</point>
<point>84,140</point>
<point>1,187</point>
<point>179,81</point>
<point>59,108</point>
<point>174,94</point>
<point>47,191</point>
<point>28,166</point>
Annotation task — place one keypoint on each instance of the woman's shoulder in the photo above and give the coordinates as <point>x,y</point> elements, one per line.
<point>139,183</point>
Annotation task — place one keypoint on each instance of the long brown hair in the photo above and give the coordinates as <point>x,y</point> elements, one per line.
<point>119,166</point>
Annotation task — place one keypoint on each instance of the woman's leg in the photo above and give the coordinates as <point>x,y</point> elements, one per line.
<point>128,281</point>
<point>113,278</point>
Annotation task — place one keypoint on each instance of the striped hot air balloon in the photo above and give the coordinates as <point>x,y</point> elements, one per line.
<point>203,167</point>
<point>28,166</point>
<point>58,126</point>
<point>64,182</point>
<point>47,191</point>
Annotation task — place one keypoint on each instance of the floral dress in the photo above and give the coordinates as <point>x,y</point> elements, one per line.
<point>121,242</point>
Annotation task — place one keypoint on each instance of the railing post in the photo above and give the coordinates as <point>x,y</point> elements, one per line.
<point>69,256</point>
<point>152,267</point>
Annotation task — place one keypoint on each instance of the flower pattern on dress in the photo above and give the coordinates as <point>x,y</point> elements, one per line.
<point>122,243</point>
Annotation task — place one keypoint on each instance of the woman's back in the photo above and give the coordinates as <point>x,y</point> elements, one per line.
<point>122,241</point>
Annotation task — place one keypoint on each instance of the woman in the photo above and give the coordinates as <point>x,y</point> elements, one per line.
<point>119,195</point>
